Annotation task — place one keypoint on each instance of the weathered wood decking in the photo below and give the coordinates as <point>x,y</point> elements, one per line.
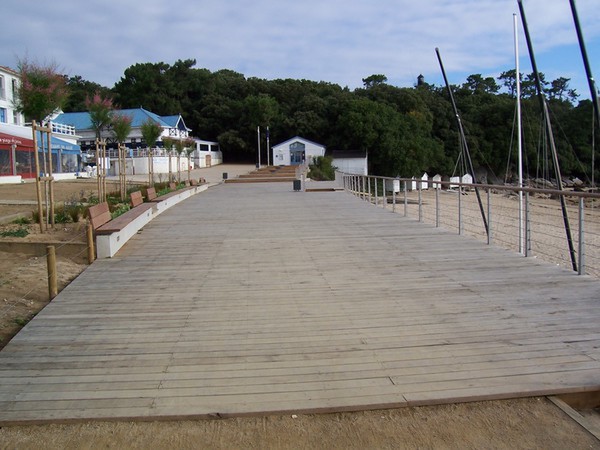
<point>256,299</point>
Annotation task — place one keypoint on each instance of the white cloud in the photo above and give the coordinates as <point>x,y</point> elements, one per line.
<point>339,41</point>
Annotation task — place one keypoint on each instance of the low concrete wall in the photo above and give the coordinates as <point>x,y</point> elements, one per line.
<point>108,245</point>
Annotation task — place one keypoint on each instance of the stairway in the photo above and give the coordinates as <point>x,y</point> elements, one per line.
<point>268,174</point>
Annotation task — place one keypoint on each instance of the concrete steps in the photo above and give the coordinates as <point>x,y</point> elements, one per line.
<point>269,174</point>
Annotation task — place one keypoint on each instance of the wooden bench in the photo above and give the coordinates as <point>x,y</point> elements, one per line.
<point>112,234</point>
<point>136,198</point>
<point>99,215</point>
<point>150,194</point>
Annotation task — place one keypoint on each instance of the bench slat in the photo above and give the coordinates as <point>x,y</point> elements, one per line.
<point>136,198</point>
<point>99,215</point>
<point>151,194</point>
<point>118,223</point>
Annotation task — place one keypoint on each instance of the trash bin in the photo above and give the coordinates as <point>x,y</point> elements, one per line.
<point>224,175</point>
<point>297,185</point>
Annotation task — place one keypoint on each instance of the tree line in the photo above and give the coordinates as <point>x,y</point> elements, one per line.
<point>406,131</point>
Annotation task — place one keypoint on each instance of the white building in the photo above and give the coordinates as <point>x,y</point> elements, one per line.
<point>16,140</point>
<point>205,154</point>
<point>172,126</point>
<point>9,83</point>
<point>296,151</point>
<point>351,161</point>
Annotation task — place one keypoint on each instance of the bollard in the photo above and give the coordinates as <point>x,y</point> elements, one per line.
<point>90,244</point>
<point>52,276</point>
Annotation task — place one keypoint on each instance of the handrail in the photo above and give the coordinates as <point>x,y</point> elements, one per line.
<point>385,190</point>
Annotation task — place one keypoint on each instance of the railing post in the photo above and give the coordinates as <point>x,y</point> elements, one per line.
<point>527,226</point>
<point>460,209</point>
<point>384,196</point>
<point>369,182</point>
<point>420,202</point>
<point>394,195</point>
<point>437,207</point>
<point>363,195</point>
<point>489,217</point>
<point>376,194</point>
<point>405,198</point>
<point>581,266</point>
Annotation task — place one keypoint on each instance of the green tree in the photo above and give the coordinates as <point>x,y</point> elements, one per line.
<point>100,109</point>
<point>151,131</point>
<point>80,91</point>
<point>374,80</point>
<point>121,127</point>
<point>41,90</point>
<point>477,83</point>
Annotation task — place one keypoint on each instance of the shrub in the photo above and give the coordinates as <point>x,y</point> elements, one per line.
<point>322,169</point>
<point>19,232</point>
<point>119,209</point>
<point>22,221</point>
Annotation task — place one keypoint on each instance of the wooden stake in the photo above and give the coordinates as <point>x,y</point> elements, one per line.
<point>52,276</point>
<point>51,181</point>
<point>38,187</point>
<point>90,242</point>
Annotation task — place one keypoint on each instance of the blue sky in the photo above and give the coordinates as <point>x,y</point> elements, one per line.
<point>338,41</point>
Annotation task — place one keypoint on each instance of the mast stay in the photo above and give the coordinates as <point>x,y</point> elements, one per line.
<point>550,136</point>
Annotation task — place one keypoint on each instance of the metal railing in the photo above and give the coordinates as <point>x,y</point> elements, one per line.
<point>536,229</point>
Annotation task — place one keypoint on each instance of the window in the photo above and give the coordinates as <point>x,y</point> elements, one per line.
<point>15,87</point>
<point>16,118</point>
<point>2,91</point>
<point>3,115</point>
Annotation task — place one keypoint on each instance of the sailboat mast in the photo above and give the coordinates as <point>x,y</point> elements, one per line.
<point>550,136</point>
<point>464,142</point>
<point>519,135</point>
<point>588,71</point>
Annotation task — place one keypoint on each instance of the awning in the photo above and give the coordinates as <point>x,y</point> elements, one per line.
<point>7,141</point>
<point>62,145</point>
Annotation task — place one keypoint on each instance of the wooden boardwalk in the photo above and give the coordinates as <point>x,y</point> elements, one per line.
<point>253,299</point>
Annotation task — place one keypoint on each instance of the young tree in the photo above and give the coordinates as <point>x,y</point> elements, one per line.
<point>41,92</point>
<point>121,127</point>
<point>190,147</point>
<point>169,143</point>
<point>151,131</point>
<point>101,111</point>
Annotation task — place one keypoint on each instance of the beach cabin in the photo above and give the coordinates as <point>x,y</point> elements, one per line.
<point>351,161</point>
<point>467,179</point>
<point>425,181</point>
<point>296,151</point>
<point>437,181</point>
<point>454,182</point>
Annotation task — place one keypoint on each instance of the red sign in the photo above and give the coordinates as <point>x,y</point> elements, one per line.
<point>8,140</point>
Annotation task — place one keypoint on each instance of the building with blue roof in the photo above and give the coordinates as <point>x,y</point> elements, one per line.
<point>173,126</point>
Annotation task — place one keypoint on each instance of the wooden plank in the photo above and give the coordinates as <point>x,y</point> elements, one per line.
<point>255,299</point>
<point>99,214</point>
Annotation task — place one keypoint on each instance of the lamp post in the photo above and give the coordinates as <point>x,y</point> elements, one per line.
<point>268,149</point>
<point>258,134</point>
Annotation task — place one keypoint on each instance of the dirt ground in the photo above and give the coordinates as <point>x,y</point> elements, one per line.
<point>518,423</point>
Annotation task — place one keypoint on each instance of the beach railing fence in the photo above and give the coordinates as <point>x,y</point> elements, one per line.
<point>536,229</point>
